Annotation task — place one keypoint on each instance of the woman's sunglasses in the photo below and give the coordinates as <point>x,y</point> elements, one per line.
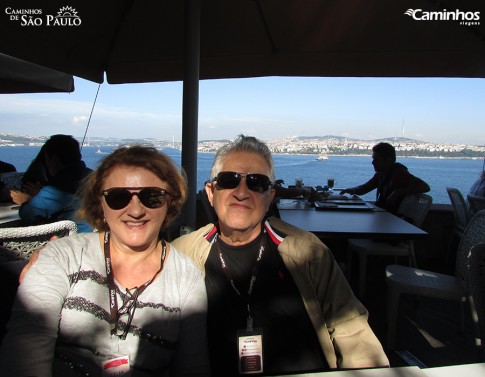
<point>231,179</point>
<point>150,197</point>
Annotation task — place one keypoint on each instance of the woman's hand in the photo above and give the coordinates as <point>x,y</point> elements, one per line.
<point>19,197</point>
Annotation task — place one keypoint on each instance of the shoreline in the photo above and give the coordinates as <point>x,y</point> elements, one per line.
<point>440,157</point>
<point>370,155</point>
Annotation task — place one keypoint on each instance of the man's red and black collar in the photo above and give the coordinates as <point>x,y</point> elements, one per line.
<point>275,237</point>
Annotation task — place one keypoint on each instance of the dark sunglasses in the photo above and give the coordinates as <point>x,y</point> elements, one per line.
<point>150,197</point>
<point>231,179</point>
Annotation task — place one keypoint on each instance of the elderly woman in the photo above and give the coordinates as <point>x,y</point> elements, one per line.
<point>117,302</point>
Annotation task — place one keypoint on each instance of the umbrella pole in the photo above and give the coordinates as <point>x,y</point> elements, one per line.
<point>190,111</point>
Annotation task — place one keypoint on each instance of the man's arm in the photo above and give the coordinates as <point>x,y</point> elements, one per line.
<point>363,189</point>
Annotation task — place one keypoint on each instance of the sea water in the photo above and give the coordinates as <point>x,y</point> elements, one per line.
<point>348,171</point>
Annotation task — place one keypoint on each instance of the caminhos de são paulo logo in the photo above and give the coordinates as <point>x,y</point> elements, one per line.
<point>463,17</point>
<point>66,16</point>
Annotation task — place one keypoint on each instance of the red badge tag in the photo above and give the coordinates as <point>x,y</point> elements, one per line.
<point>117,367</point>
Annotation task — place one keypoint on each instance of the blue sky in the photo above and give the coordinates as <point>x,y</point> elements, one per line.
<point>436,110</point>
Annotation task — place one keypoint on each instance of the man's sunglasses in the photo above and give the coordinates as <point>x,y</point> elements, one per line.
<point>150,197</point>
<point>231,179</point>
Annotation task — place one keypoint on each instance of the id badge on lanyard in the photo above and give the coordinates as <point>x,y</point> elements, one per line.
<point>249,340</point>
<point>250,347</point>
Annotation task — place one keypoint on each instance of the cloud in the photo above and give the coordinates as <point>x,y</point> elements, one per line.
<point>79,120</point>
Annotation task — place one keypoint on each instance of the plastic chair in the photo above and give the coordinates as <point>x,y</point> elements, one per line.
<point>476,203</point>
<point>18,243</point>
<point>407,280</point>
<point>460,210</point>
<point>413,208</point>
<point>476,268</point>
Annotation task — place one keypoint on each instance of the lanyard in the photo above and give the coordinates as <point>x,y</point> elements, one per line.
<point>257,264</point>
<point>113,301</point>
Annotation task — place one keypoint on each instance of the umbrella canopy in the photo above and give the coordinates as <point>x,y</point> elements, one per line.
<point>19,76</point>
<point>142,40</point>
<point>133,41</point>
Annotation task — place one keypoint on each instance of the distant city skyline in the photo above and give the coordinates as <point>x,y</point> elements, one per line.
<point>432,110</point>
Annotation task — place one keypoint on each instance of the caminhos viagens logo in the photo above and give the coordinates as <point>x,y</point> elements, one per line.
<point>466,18</point>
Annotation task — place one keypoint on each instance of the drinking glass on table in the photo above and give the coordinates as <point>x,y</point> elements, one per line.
<point>330,184</point>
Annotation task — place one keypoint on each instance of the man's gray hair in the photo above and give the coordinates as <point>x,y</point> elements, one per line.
<point>243,144</point>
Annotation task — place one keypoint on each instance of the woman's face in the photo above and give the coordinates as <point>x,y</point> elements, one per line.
<point>135,226</point>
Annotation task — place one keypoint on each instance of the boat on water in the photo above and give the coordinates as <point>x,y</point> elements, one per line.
<point>322,157</point>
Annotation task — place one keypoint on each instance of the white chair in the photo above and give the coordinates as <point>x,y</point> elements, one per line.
<point>476,203</point>
<point>413,208</point>
<point>406,280</point>
<point>18,243</point>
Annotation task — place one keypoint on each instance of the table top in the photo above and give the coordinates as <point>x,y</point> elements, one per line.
<point>465,370</point>
<point>375,223</point>
<point>411,371</point>
<point>8,212</point>
<point>468,370</point>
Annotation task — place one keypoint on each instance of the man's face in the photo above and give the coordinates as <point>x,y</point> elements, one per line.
<point>240,210</point>
<point>381,163</point>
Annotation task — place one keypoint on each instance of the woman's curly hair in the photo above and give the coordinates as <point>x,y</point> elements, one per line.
<point>145,157</point>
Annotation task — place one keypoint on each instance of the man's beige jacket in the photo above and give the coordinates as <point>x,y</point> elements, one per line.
<point>339,319</point>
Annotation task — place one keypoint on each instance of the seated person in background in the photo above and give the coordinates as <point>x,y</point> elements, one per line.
<point>392,179</point>
<point>57,200</point>
<point>36,174</point>
<point>478,188</point>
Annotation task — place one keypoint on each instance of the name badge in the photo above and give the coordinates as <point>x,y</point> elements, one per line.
<point>119,367</point>
<point>250,351</point>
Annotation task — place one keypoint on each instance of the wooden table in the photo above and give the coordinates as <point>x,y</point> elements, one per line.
<point>375,224</point>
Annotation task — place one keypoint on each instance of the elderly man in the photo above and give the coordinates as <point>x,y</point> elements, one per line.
<point>278,302</point>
